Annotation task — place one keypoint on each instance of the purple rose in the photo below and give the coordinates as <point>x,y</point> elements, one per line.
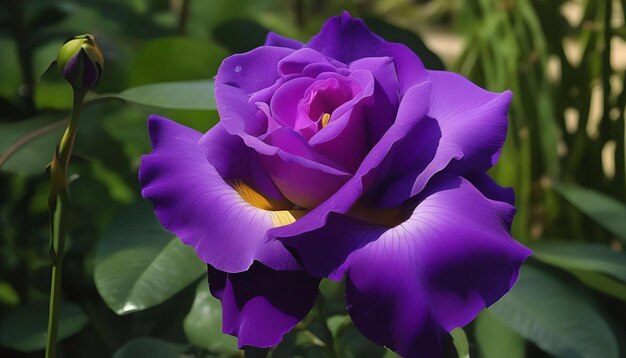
<point>342,157</point>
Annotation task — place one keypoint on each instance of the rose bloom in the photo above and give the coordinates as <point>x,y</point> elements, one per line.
<point>342,158</point>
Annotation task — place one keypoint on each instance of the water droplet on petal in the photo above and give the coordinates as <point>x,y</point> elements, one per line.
<point>238,69</point>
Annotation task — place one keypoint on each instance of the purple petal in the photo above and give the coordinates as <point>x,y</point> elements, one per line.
<point>274,39</point>
<point>305,177</point>
<point>382,110</point>
<point>472,124</point>
<point>438,269</point>
<point>348,39</point>
<point>226,152</point>
<point>238,78</point>
<point>406,160</point>
<point>375,166</point>
<point>296,62</point>
<point>242,118</point>
<point>284,103</point>
<point>253,70</point>
<point>193,201</point>
<point>345,137</point>
<point>260,305</point>
<point>292,143</point>
<point>473,120</point>
<point>490,189</point>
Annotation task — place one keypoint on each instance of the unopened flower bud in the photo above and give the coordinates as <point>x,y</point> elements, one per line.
<point>80,61</point>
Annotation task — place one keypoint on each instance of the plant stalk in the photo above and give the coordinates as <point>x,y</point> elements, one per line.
<point>58,203</point>
<point>331,347</point>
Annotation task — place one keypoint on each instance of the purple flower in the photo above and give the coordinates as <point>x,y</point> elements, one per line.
<point>342,157</point>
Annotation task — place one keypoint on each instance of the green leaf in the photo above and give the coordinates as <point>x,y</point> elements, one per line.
<point>8,295</point>
<point>51,94</point>
<point>459,338</point>
<point>203,324</point>
<point>191,95</point>
<point>582,256</point>
<point>139,264</point>
<point>24,329</point>
<point>10,69</point>
<point>495,339</point>
<point>602,283</point>
<point>150,347</point>
<point>354,345</point>
<point>176,59</point>
<point>559,318</point>
<point>606,211</point>
<point>26,147</point>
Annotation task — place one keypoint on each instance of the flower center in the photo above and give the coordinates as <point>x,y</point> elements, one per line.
<point>325,119</point>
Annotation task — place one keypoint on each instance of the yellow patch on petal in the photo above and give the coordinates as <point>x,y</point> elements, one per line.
<point>285,217</point>
<point>281,212</point>
<point>325,119</point>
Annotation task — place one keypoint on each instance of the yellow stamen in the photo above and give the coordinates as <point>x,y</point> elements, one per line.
<point>279,211</point>
<point>325,119</point>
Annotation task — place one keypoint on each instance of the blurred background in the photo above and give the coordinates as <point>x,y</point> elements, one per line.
<point>132,290</point>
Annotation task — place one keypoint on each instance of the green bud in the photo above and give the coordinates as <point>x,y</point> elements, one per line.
<point>80,61</point>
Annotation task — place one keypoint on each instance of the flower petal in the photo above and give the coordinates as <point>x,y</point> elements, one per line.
<point>345,137</point>
<point>438,269</point>
<point>238,78</point>
<point>375,166</point>
<point>284,103</point>
<point>260,305</point>
<point>274,39</point>
<point>348,39</point>
<point>297,62</point>
<point>490,189</point>
<point>381,112</point>
<point>226,152</point>
<point>472,119</point>
<point>193,201</point>
<point>472,123</point>
<point>305,177</point>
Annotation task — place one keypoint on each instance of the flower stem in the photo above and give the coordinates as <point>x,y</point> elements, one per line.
<point>332,349</point>
<point>58,203</point>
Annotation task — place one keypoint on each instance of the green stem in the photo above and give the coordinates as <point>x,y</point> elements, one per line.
<point>331,347</point>
<point>59,203</point>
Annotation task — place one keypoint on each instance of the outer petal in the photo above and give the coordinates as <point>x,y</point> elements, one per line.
<point>226,152</point>
<point>490,189</point>
<point>237,79</point>
<point>348,39</point>
<point>437,270</point>
<point>274,39</point>
<point>192,200</point>
<point>260,305</point>
<point>473,124</point>
<point>472,119</point>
